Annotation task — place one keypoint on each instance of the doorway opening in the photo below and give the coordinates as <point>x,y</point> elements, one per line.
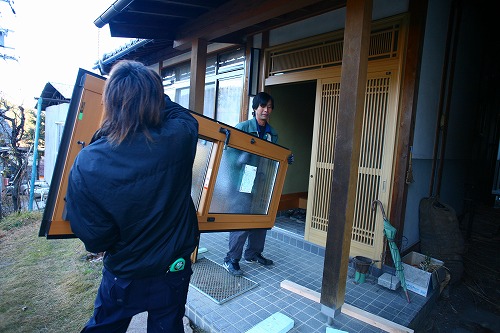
<point>293,118</point>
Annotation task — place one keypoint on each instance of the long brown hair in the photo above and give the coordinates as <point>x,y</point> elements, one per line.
<point>132,100</point>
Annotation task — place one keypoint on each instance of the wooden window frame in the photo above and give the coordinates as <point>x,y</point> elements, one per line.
<point>84,118</point>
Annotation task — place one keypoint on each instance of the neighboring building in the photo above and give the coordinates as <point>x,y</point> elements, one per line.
<point>431,122</point>
<point>55,102</point>
<point>55,118</point>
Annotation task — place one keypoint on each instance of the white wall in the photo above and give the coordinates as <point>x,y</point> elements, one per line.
<point>55,117</point>
<point>327,22</point>
<point>428,103</point>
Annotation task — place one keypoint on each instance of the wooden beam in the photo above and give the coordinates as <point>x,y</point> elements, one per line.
<point>374,320</point>
<point>197,79</point>
<point>408,109</point>
<point>349,310</point>
<point>233,16</point>
<point>300,290</point>
<point>346,154</point>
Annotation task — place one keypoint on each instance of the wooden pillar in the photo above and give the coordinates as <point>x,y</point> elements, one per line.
<point>346,154</point>
<point>263,60</point>
<point>198,69</point>
<point>197,88</point>
<point>406,124</point>
<point>246,88</point>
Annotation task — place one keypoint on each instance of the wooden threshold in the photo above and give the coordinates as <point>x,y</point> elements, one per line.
<point>352,311</point>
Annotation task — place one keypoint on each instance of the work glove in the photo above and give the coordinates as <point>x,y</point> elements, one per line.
<point>290,159</point>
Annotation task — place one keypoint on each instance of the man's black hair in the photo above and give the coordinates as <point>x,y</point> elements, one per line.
<point>261,99</point>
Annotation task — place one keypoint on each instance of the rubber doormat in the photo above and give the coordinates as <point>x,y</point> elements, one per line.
<point>212,280</point>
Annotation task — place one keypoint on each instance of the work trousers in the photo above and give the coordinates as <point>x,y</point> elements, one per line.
<point>118,300</point>
<point>256,239</point>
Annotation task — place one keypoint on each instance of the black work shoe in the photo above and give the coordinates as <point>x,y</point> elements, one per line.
<point>233,267</point>
<point>260,259</point>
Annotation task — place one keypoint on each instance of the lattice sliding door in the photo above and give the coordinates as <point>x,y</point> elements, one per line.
<point>321,170</point>
<point>375,164</point>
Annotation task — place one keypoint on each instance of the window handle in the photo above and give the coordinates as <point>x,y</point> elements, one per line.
<point>228,134</point>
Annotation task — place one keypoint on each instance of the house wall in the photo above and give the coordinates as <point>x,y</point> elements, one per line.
<point>331,21</point>
<point>426,115</point>
<point>295,126</point>
<point>459,149</point>
<point>53,115</point>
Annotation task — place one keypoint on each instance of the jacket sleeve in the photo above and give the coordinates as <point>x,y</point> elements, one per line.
<point>174,111</point>
<point>87,219</point>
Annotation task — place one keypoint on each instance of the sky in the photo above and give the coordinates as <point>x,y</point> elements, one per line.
<point>51,39</point>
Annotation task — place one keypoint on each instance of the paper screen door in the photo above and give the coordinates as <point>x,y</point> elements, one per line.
<point>237,178</point>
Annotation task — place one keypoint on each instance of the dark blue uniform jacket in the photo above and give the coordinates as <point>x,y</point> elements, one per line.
<point>133,201</point>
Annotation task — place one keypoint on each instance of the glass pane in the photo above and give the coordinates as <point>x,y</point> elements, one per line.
<point>229,100</point>
<point>170,92</point>
<point>182,97</point>
<point>211,66</point>
<point>200,167</point>
<point>168,75</point>
<point>244,184</point>
<point>209,102</point>
<point>172,75</point>
<point>230,61</point>
<point>183,72</point>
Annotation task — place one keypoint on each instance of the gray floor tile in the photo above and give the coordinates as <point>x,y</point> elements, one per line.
<point>300,262</point>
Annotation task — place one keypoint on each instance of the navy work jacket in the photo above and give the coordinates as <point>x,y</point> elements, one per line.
<point>133,201</point>
<point>250,126</point>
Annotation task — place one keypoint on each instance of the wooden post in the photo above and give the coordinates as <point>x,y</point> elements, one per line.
<point>406,123</point>
<point>263,61</point>
<point>246,88</point>
<point>346,154</point>
<point>198,69</point>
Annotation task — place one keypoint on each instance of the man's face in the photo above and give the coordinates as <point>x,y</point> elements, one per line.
<point>262,113</point>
